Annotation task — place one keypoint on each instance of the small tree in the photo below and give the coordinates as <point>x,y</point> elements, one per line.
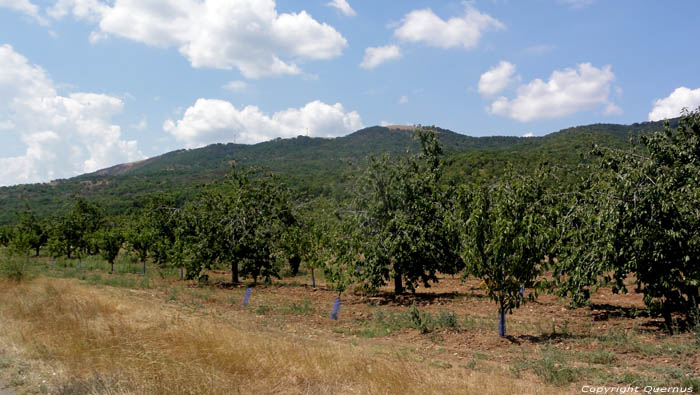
<point>240,221</point>
<point>505,234</point>
<point>111,240</point>
<point>309,239</point>
<point>139,237</point>
<point>75,233</point>
<point>34,231</point>
<point>400,210</point>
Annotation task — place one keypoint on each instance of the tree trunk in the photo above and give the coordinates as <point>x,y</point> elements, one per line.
<point>313,278</point>
<point>143,269</point>
<point>112,269</point>
<point>234,273</point>
<point>668,319</point>
<point>294,263</point>
<point>398,284</point>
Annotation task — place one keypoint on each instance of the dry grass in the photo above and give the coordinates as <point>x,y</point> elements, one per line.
<point>110,341</point>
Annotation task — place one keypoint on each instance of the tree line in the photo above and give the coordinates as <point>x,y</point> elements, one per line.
<point>632,214</point>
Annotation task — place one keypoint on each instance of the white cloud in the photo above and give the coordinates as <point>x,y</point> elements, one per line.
<point>671,106</point>
<point>528,134</point>
<point>64,135</point>
<point>235,86</point>
<point>343,6</point>
<point>374,56</point>
<point>497,78</point>
<point>403,100</point>
<point>568,91</point>
<point>211,121</point>
<point>142,125</point>
<point>426,27</point>
<point>24,6</point>
<point>612,109</point>
<point>249,35</point>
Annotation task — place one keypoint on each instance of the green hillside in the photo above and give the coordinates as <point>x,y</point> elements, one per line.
<point>310,165</point>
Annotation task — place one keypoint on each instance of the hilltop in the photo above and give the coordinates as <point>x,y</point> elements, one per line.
<point>315,166</point>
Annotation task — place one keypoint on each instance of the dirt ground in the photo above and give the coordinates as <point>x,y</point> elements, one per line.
<point>635,346</point>
<point>608,343</point>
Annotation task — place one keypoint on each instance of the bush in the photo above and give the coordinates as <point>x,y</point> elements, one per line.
<point>14,268</point>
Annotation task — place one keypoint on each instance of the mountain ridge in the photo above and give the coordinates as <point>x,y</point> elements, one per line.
<point>310,165</point>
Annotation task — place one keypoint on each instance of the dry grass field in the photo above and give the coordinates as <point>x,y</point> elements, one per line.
<point>70,331</point>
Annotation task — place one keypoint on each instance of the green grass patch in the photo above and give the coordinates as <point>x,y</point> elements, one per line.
<point>299,308</point>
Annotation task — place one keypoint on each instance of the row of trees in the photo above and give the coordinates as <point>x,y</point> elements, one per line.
<point>632,214</point>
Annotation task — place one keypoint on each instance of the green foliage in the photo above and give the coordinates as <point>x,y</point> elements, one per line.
<point>139,237</point>
<point>240,221</point>
<point>314,166</point>
<point>640,216</point>
<point>505,234</point>
<point>110,242</point>
<point>160,217</point>
<point>399,228</point>
<point>14,267</point>
<point>76,232</point>
<point>31,230</point>
<point>5,234</point>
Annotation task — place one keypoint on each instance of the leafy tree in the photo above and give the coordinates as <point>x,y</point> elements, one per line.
<point>239,222</point>
<point>75,233</point>
<point>264,213</point>
<point>159,215</point>
<point>400,209</point>
<point>33,230</point>
<point>140,237</point>
<point>643,218</point>
<point>111,240</point>
<point>505,234</point>
<point>309,239</point>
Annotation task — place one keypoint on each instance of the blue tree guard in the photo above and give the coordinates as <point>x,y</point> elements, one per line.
<point>336,309</point>
<point>80,264</point>
<point>53,261</point>
<point>522,291</point>
<point>246,296</point>
<point>502,323</point>
<point>143,269</point>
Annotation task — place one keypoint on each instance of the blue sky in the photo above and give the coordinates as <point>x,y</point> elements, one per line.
<point>86,84</point>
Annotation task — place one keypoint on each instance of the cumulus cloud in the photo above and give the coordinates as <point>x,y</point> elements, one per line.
<point>403,100</point>
<point>497,78</point>
<point>374,56</point>
<point>211,121</point>
<point>64,135</point>
<point>249,35</point>
<point>426,27</point>
<point>671,106</point>
<point>568,91</point>
<point>343,6</point>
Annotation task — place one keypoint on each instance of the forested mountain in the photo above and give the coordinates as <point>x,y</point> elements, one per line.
<point>309,165</point>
